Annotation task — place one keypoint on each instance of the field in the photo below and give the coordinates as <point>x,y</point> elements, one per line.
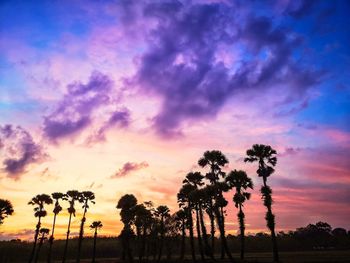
<point>108,250</point>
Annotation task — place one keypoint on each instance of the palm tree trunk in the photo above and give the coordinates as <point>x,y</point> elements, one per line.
<point>81,234</point>
<point>199,238</point>
<point>67,238</point>
<point>183,239</point>
<point>161,239</point>
<point>270,218</point>
<point>38,250</point>
<point>207,249</point>
<point>222,235</point>
<point>242,228</point>
<point>35,240</point>
<point>223,226</point>
<point>212,229</point>
<point>51,239</point>
<point>191,235</point>
<point>94,251</point>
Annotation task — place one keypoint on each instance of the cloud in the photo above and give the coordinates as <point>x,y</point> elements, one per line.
<point>21,234</point>
<point>181,65</point>
<point>75,111</point>
<point>20,150</point>
<point>128,168</point>
<point>119,118</point>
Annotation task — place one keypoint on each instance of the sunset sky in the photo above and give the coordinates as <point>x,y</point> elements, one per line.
<point>124,97</point>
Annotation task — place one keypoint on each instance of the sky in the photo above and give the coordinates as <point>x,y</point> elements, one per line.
<point>122,97</point>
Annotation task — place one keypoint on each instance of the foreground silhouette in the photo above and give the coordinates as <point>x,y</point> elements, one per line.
<point>6,209</point>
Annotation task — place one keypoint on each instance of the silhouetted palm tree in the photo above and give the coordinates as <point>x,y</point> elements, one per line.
<point>196,180</point>
<point>184,201</point>
<point>6,209</point>
<point>215,160</point>
<point>266,158</point>
<point>95,226</point>
<point>181,218</point>
<point>44,232</point>
<point>143,222</point>
<point>72,197</point>
<point>240,181</point>
<point>126,204</point>
<point>84,198</point>
<point>162,212</point>
<point>57,209</point>
<point>39,211</point>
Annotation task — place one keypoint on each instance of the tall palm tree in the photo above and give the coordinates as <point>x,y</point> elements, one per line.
<point>265,155</point>
<point>72,197</point>
<point>57,209</point>
<point>196,180</point>
<point>95,226</point>
<point>185,202</point>
<point>216,160</point>
<point>85,198</point>
<point>43,236</point>
<point>127,204</point>
<point>162,212</point>
<point>39,201</point>
<point>6,209</point>
<point>240,181</point>
<point>181,218</point>
<point>143,222</point>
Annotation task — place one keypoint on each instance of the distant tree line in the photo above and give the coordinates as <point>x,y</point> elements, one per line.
<point>152,233</point>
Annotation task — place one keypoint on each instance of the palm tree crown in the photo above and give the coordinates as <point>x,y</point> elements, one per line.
<point>6,209</point>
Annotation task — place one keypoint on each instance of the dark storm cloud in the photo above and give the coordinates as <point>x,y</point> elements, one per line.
<point>19,150</point>
<point>180,63</point>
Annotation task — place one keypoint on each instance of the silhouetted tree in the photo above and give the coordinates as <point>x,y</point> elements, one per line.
<point>215,160</point>
<point>95,226</point>
<point>6,209</point>
<point>44,232</point>
<point>240,181</point>
<point>84,198</point>
<point>143,221</point>
<point>72,197</point>
<point>184,201</point>
<point>265,155</point>
<point>39,211</point>
<point>57,209</point>
<point>126,204</point>
<point>162,212</point>
<point>181,219</point>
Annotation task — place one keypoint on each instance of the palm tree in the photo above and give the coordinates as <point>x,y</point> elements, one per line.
<point>72,197</point>
<point>240,181</point>
<point>44,232</point>
<point>6,209</point>
<point>57,209</point>
<point>265,155</point>
<point>127,204</point>
<point>85,198</point>
<point>95,226</point>
<point>184,201</point>
<point>181,219</point>
<point>196,180</point>
<point>215,160</point>
<point>39,211</point>
<point>162,212</point>
<point>143,222</point>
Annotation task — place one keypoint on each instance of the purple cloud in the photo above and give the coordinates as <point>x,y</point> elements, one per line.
<point>180,63</point>
<point>20,150</point>
<point>74,112</point>
<point>128,168</point>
